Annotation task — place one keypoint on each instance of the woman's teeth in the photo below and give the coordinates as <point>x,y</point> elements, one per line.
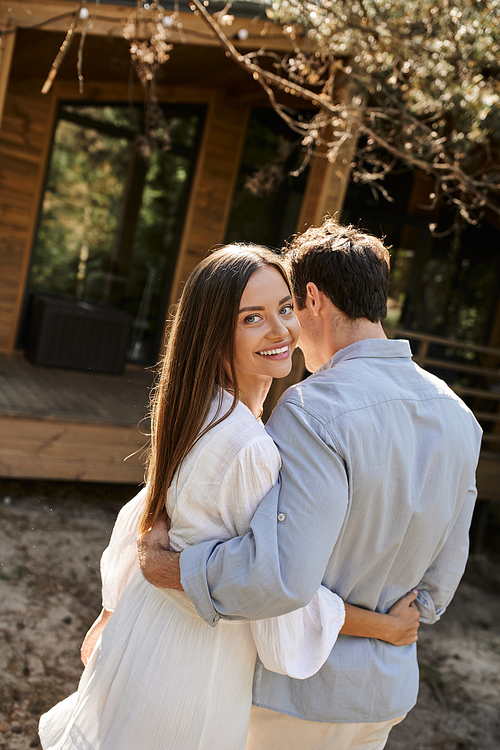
<point>269,352</point>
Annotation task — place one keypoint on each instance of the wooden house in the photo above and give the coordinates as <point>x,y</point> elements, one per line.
<point>62,423</point>
<point>130,234</point>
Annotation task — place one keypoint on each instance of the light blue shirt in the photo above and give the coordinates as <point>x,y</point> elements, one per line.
<point>376,497</point>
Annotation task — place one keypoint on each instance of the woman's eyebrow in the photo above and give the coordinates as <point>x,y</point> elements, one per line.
<point>247,309</point>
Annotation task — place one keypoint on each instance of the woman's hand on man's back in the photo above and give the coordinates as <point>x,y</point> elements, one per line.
<point>405,620</point>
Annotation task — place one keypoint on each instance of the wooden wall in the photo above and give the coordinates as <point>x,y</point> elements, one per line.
<point>55,15</point>
<point>7,43</point>
<point>25,139</point>
<point>328,180</point>
<point>50,448</point>
<point>24,142</point>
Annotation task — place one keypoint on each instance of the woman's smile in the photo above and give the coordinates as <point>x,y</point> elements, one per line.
<point>279,352</point>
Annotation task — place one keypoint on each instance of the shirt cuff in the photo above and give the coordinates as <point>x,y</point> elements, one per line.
<point>425,605</point>
<point>193,563</point>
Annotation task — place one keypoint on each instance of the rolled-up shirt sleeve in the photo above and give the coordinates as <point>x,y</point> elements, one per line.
<point>279,564</point>
<point>438,585</point>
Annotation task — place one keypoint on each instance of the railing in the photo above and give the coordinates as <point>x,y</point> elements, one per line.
<point>488,372</point>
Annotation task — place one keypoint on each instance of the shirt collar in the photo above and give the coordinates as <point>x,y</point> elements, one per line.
<point>389,348</point>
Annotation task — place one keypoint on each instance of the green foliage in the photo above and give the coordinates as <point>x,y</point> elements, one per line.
<point>80,207</point>
<point>427,86</point>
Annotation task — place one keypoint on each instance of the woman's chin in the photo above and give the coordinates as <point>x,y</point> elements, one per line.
<point>280,369</point>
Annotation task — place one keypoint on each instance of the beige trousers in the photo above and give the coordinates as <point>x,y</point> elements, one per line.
<point>270,730</point>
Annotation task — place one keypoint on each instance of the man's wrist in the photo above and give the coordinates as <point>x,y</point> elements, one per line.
<point>160,566</point>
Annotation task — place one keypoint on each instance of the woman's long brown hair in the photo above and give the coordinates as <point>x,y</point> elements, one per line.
<point>194,370</point>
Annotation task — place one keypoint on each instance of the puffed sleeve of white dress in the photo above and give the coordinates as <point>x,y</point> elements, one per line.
<point>120,559</point>
<point>298,643</point>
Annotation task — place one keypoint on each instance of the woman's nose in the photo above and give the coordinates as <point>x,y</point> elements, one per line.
<point>277,328</point>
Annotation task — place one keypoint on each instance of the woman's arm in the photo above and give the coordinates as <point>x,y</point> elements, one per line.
<point>93,634</point>
<point>399,626</point>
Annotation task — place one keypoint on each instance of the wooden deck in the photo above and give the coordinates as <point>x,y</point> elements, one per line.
<point>65,424</point>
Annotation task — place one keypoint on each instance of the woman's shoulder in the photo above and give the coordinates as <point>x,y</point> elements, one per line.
<point>239,427</point>
<point>238,444</point>
<point>239,440</point>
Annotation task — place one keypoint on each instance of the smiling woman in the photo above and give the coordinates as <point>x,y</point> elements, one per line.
<point>202,352</point>
<point>265,337</point>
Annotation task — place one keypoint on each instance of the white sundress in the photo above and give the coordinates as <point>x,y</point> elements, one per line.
<point>160,678</point>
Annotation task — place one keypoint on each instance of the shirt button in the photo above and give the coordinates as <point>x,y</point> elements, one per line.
<point>281,517</point>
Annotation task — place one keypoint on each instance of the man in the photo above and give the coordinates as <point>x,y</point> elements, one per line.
<point>376,497</point>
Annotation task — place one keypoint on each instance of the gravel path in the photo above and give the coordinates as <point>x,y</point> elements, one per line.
<point>51,539</point>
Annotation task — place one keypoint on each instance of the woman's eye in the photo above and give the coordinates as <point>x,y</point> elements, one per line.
<point>287,309</point>
<point>251,318</point>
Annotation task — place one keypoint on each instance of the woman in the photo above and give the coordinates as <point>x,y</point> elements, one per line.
<point>159,677</point>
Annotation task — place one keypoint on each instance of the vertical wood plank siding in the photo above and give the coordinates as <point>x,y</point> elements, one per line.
<point>24,144</point>
<point>213,185</point>
<point>327,186</point>
<point>7,42</point>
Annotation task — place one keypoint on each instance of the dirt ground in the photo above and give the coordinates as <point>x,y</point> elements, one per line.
<point>51,539</point>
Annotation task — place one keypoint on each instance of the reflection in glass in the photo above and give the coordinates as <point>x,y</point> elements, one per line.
<point>113,212</point>
<point>267,216</point>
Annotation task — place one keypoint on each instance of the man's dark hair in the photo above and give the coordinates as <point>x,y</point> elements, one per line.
<point>349,265</point>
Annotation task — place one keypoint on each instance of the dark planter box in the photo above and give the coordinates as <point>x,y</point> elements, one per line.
<point>69,333</point>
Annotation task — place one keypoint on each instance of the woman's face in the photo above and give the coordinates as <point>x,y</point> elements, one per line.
<point>267,329</point>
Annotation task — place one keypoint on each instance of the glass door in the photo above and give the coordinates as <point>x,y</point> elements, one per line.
<point>113,212</point>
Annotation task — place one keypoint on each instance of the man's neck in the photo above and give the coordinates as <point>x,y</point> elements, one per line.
<point>344,332</point>
<point>329,330</point>
<point>352,331</point>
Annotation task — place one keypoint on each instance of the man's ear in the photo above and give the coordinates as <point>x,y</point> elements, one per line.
<point>314,301</point>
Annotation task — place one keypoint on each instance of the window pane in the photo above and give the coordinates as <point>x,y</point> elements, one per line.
<point>113,213</point>
<point>270,217</point>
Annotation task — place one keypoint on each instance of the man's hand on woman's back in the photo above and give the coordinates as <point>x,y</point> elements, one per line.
<point>159,565</point>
